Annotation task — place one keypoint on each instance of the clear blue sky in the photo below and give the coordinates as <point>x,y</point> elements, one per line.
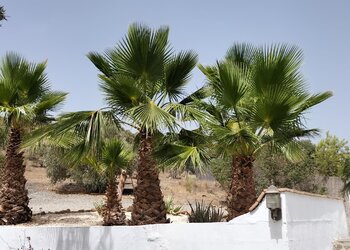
<point>65,31</point>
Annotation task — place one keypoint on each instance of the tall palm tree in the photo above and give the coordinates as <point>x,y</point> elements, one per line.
<point>259,100</point>
<point>143,81</point>
<point>25,100</point>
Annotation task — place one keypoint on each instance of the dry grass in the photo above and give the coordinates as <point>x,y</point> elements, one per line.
<point>189,189</point>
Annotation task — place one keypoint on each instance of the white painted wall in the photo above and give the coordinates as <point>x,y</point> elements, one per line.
<point>307,223</point>
<point>313,222</point>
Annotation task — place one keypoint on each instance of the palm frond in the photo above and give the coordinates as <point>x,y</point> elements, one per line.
<point>142,54</point>
<point>241,54</point>
<point>151,118</point>
<point>177,73</point>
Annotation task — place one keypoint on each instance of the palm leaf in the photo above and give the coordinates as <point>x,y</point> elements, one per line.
<point>177,73</point>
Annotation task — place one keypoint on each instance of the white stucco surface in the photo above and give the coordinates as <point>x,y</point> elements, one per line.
<point>308,222</point>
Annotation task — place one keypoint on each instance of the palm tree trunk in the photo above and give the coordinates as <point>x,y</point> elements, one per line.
<point>113,213</point>
<point>13,194</point>
<point>242,189</point>
<point>121,184</point>
<point>148,205</point>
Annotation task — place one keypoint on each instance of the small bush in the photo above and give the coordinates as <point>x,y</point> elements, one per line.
<point>89,178</point>
<point>86,176</point>
<point>171,208</point>
<point>205,213</point>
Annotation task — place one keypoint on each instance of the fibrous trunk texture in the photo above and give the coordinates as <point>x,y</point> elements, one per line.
<point>13,194</point>
<point>113,213</point>
<point>242,193</point>
<point>148,205</point>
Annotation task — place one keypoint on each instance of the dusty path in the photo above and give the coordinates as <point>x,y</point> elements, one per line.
<point>44,199</point>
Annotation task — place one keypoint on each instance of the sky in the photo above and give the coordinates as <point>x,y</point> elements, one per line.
<point>64,31</point>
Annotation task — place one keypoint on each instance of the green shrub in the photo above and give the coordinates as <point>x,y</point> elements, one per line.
<point>88,177</point>
<point>205,213</point>
<point>56,170</point>
<point>171,208</point>
<point>84,175</point>
<point>221,170</point>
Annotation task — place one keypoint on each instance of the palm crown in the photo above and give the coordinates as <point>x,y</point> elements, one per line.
<point>25,94</point>
<point>259,98</point>
<point>25,100</point>
<point>142,78</point>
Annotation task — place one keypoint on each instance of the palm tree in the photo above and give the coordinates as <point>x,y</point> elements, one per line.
<point>259,100</point>
<point>143,82</point>
<point>25,100</point>
<point>111,161</point>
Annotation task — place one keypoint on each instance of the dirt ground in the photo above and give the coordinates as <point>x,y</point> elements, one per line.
<point>45,198</point>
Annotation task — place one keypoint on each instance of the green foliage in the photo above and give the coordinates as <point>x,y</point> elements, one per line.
<point>277,168</point>
<point>282,172</point>
<point>221,169</point>
<point>89,177</point>
<point>331,155</point>
<point>170,206</point>
<point>25,95</point>
<point>91,171</point>
<point>56,168</point>
<point>259,99</point>
<point>202,212</point>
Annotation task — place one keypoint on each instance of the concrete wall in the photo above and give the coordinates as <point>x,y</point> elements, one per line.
<point>313,222</point>
<point>307,223</point>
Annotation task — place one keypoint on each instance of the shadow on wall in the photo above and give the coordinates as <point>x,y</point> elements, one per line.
<point>73,238</point>
<point>275,229</point>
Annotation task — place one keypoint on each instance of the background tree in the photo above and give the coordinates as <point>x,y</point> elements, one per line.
<point>113,159</point>
<point>259,99</point>
<point>25,100</point>
<point>276,168</point>
<point>331,155</point>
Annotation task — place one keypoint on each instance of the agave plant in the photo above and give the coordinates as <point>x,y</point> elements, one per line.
<point>202,212</point>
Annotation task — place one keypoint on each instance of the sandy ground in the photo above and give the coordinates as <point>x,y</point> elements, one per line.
<point>44,198</point>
